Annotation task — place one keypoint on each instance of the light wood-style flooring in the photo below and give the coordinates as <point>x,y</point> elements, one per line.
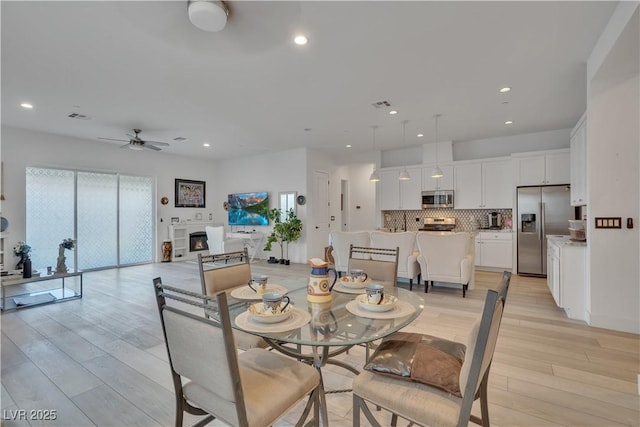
<point>101,360</point>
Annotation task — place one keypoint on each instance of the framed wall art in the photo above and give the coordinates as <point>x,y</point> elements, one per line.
<point>190,194</point>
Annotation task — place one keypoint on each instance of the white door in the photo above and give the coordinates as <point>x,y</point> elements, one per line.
<point>344,204</point>
<point>320,217</point>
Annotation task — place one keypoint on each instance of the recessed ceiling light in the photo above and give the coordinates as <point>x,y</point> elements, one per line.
<point>420,135</point>
<point>348,145</point>
<point>26,105</point>
<point>206,144</point>
<point>508,122</point>
<point>300,40</point>
<point>505,90</point>
<point>392,112</point>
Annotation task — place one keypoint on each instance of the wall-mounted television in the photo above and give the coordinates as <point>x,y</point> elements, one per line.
<point>248,208</point>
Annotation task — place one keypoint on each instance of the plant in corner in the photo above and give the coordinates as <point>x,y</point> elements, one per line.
<point>287,228</point>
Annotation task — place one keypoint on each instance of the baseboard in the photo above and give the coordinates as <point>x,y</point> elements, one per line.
<point>615,323</point>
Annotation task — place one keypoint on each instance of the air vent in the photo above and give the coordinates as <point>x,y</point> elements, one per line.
<point>381,104</point>
<point>180,139</point>
<point>78,116</point>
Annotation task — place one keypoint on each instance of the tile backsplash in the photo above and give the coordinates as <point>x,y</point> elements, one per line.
<point>466,219</point>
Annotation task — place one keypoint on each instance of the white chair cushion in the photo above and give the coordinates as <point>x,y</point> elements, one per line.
<point>422,404</point>
<point>272,384</point>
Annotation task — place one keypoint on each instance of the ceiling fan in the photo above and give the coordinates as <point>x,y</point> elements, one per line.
<point>137,143</point>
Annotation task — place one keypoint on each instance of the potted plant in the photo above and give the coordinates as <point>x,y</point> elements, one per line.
<point>22,250</point>
<point>287,227</point>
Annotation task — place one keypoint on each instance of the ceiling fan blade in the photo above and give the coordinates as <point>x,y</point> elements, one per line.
<point>151,147</point>
<point>125,146</point>
<point>111,139</point>
<point>164,144</point>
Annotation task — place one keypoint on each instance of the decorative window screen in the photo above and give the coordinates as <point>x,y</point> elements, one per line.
<point>109,215</point>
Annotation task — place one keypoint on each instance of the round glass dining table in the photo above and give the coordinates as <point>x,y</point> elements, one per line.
<point>316,332</point>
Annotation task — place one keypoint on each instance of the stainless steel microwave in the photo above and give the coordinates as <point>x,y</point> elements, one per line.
<point>437,199</point>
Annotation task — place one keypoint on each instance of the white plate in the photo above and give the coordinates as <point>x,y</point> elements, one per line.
<point>257,313</point>
<point>387,303</point>
<point>298,319</point>
<point>353,285</point>
<point>246,293</point>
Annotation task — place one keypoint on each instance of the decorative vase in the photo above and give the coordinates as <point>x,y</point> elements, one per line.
<point>26,268</point>
<point>61,266</point>
<point>20,263</point>
<point>167,247</point>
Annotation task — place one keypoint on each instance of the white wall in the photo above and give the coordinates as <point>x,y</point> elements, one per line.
<point>506,145</point>
<point>22,148</point>
<point>613,181</point>
<point>273,172</point>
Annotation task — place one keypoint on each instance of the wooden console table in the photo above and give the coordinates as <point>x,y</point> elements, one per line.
<point>44,289</point>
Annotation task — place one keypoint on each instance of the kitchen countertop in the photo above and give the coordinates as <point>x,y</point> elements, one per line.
<point>564,240</point>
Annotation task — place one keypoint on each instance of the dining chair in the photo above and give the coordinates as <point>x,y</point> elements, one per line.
<point>408,267</point>
<point>218,242</point>
<point>433,396</point>
<point>340,242</point>
<point>253,388</point>
<point>380,264</point>
<point>222,272</point>
<point>446,258</point>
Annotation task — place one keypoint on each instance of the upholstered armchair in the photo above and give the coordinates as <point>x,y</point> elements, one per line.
<point>446,258</point>
<point>219,244</point>
<point>408,267</point>
<point>341,241</point>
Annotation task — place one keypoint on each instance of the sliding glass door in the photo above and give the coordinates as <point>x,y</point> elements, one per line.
<point>109,215</point>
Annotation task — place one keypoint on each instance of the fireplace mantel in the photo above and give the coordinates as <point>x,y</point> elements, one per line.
<point>179,236</point>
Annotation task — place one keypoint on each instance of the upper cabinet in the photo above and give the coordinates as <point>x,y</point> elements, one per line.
<point>484,185</point>
<point>394,194</point>
<point>579,163</point>
<point>542,169</point>
<point>435,184</point>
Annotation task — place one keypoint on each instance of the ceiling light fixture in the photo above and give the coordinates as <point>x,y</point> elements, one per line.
<point>392,112</point>
<point>420,135</point>
<point>374,175</point>
<point>206,144</point>
<point>26,105</point>
<point>300,40</point>
<point>505,90</point>
<point>508,122</point>
<point>404,175</point>
<point>348,145</point>
<point>437,172</point>
<point>208,15</point>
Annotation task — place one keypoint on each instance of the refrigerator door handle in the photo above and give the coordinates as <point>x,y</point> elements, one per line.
<point>542,222</point>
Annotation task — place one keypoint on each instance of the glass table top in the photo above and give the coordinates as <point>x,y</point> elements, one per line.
<point>332,323</point>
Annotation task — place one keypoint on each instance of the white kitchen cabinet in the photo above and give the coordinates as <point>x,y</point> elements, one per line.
<point>494,250</point>
<point>433,184</point>
<point>579,163</point>
<point>483,185</point>
<point>542,169</point>
<point>394,194</point>
<point>566,263</point>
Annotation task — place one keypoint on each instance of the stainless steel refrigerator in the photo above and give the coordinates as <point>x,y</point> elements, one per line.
<point>542,211</point>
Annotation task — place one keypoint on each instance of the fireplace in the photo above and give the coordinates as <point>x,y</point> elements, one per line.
<point>198,241</point>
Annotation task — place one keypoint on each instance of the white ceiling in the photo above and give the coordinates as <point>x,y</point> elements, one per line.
<point>249,89</point>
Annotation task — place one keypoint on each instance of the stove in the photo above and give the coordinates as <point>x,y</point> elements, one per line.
<point>438,224</point>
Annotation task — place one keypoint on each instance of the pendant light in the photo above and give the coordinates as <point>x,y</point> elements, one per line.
<point>437,172</point>
<point>404,175</point>
<point>374,175</point>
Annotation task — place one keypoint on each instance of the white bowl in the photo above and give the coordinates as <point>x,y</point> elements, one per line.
<point>387,303</point>
<point>257,313</point>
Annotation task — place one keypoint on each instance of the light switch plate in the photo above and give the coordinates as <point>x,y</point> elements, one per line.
<point>608,222</point>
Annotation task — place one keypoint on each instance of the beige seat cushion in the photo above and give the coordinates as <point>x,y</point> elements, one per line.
<point>272,384</point>
<point>417,402</point>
